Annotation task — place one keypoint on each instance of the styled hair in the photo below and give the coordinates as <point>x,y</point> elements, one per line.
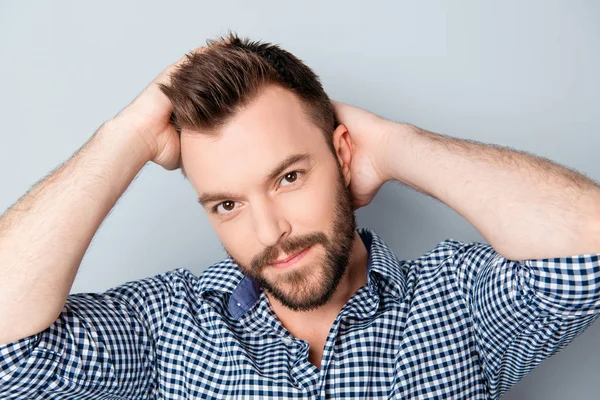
<point>212,84</point>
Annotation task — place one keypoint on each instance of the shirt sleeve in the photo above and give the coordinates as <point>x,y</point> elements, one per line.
<point>100,346</point>
<point>523,312</point>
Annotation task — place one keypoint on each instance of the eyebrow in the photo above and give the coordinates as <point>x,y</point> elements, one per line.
<point>209,197</point>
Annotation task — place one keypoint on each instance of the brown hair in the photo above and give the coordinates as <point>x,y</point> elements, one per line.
<point>212,84</point>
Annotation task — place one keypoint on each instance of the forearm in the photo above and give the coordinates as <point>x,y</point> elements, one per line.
<point>526,207</point>
<point>44,236</point>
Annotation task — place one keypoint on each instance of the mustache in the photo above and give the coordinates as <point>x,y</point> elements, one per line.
<point>290,246</point>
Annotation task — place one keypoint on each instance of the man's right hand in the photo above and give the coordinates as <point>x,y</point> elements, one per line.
<point>148,116</point>
<point>45,234</point>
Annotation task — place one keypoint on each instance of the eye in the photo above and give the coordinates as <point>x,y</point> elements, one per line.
<point>227,205</point>
<point>291,177</point>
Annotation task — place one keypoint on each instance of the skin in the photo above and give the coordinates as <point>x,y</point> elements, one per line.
<point>271,225</point>
<point>527,208</point>
<point>272,220</point>
<point>559,218</point>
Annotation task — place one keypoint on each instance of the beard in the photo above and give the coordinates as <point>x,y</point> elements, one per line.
<point>311,286</point>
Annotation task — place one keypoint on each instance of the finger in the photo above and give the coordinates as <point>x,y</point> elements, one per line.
<point>336,105</point>
<point>165,76</point>
<point>340,110</point>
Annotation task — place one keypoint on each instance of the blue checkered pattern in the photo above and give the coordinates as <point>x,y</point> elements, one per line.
<point>460,322</point>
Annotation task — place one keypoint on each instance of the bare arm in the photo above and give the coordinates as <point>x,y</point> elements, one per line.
<point>44,236</point>
<point>527,207</point>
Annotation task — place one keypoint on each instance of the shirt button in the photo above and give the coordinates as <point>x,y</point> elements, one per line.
<point>286,341</point>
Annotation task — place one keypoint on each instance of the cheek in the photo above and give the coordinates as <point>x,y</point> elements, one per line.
<point>311,207</point>
<point>236,240</point>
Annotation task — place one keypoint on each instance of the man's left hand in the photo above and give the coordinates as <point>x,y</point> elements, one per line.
<point>369,134</point>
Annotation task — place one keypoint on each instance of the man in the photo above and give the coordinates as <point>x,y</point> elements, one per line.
<point>305,305</point>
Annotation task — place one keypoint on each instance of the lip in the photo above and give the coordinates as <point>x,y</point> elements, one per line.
<point>291,260</point>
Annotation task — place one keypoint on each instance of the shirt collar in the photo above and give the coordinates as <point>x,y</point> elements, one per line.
<point>385,276</point>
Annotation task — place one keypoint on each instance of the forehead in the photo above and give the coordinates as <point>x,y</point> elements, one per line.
<point>266,131</point>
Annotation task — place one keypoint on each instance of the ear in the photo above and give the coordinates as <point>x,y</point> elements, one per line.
<point>343,149</point>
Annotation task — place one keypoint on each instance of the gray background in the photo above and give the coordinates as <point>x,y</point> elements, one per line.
<point>518,73</point>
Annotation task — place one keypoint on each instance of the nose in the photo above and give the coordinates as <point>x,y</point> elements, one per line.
<point>270,226</point>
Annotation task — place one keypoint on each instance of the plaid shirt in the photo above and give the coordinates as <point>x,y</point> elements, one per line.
<point>460,322</point>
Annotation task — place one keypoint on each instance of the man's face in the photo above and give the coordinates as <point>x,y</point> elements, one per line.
<point>264,209</point>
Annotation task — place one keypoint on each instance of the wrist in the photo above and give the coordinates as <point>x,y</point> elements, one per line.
<point>396,145</point>
<point>128,132</point>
